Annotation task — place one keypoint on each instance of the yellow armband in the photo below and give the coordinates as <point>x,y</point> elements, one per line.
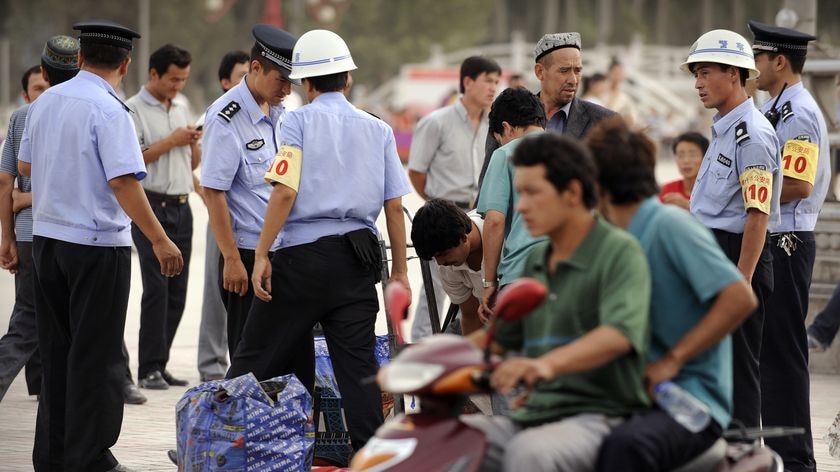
<point>286,167</point>
<point>757,187</point>
<point>799,160</point>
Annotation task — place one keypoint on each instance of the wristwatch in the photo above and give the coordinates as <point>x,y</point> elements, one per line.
<point>491,283</point>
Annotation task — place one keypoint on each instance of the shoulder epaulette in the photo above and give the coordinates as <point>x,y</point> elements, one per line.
<point>121,102</point>
<point>229,110</point>
<point>741,133</point>
<point>786,111</point>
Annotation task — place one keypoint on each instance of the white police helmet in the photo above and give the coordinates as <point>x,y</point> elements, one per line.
<point>320,52</point>
<point>722,47</point>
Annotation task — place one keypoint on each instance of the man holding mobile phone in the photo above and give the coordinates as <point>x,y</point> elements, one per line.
<point>163,121</point>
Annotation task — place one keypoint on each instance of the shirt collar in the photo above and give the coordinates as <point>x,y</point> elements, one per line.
<point>330,97</point>
<point>790,92</point>
<point>150,99</point>
<point>250,105</point>
<point>588,249</point>
<point>566,109</point>
<point>643,215</point>
<point>95,79</point>
<point>722,123</point>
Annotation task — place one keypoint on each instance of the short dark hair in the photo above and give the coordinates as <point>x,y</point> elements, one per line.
<point>692,137</point>
<point>592,79</point>
<point>518,106</point>
<point>743,74</point>
<point>626,160</point>
<point>797,63</point>
<point>438,226</point>
<point>24,81</point>
<point>329,83</point>
<point>167,55</point>
<point>256,55</point>
<point>105,56</point>
<point>474,66</point>
<point>57,76</point>
<point>564,160</point>
<point>229,61</point>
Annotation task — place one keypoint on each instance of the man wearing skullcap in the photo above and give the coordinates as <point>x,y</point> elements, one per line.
<point>558,66</point>
<point>806,172</point>
<point>19,345</point>
<point>81,151</point>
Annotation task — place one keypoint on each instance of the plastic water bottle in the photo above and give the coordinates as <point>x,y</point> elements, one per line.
<point>682,406</point>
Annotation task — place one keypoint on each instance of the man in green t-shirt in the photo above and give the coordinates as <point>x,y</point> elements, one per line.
<point>584,346</point>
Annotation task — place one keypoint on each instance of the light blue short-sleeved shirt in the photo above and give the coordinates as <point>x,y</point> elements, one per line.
<point>688,269</point>
<point>801,119</point>
<point>9,164</point>
<point>78,137</point>
<point>740,140</point>
<point>239,145</point>
<point>498,194</point>
<point>350,167</point>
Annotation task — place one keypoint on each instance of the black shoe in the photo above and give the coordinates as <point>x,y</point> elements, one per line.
<point>168,378</point>
<point>210,377</point>
<point>153,381</point>
<point>132,395</point>
<point>121,468</point>
<point>173,456</point>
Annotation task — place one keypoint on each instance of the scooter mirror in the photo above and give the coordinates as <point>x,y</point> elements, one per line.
<point>519,299</point>
<point>397,300</point>
<point>515,301</point>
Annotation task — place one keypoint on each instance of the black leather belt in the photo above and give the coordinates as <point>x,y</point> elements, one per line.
<point>166,199</point>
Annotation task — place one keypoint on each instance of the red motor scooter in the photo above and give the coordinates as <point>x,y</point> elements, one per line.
<point>442,370</point>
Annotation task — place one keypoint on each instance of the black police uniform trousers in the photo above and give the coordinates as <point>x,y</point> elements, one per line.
<point>827,322</point>
<point>324,282</point>
<point>163,300</point>
<point>19,346</point>
<point>746,340</point>
<point>81,297</point>
<point>651,442</point>
<point>785,380</point>
<point>237,306</point>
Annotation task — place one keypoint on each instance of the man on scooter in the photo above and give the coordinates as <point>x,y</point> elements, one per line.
<point>584,347</point>
<point>698,298</point>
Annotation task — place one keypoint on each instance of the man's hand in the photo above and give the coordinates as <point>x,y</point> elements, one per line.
<point>20,200</point>
<point>8,255</point>
<point>514,371</point>
<point>665,368</point>
<point>169,256</point>
<point>185,136</point>
<point>261,277</point>
<point>485,310</point>
<point>235,277</point>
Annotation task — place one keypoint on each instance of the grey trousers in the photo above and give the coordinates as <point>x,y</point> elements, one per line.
<point>212,331</point>
<point>19,346</point>
<point>568,445</point>
<point>422,326</point>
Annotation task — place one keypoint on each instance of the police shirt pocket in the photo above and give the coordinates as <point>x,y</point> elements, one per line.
<point>255,168</point>
<point>723,183</point>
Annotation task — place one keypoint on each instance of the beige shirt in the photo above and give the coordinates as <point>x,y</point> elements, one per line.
<point>171,174</point>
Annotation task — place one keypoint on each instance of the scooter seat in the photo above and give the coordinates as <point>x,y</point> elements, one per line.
<point>707,460</point>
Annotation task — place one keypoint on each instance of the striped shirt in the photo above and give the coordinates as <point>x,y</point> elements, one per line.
<point>8,165</point>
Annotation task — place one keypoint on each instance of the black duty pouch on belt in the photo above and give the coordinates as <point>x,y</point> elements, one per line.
<point>366,247</point>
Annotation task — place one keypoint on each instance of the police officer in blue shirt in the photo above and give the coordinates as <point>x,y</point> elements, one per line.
<point>239,146</point>
<point>803,142</point>
<point>336,169</point>
<point>737,191</point>
<point>81,151</point>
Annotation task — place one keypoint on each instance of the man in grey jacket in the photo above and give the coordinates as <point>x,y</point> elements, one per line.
<point>558,66</point>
